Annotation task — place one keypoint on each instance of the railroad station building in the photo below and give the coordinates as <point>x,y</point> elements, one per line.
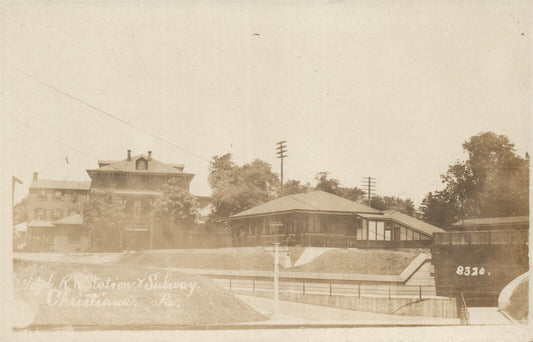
<point>319,218</point>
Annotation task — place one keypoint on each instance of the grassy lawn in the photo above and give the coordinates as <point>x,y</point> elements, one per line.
<point>360,261</point>
<point>519,306</point>
<point>242,258</point>
<point>82,294</point>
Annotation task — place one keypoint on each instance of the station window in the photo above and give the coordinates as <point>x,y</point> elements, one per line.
<point>388,234</point>
<point>403,233</point>
<point>380,234</point>
<point>371,230</point>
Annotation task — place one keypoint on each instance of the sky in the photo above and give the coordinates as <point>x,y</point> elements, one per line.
<point>383,89</point>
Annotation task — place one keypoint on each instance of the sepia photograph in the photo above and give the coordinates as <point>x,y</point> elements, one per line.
<point>327,170</point>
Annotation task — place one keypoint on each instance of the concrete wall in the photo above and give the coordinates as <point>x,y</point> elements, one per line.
<point>422,276</point>
<point>430,307</point>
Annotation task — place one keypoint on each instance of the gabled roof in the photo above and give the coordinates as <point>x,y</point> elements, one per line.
<point>73,219</point>
<point>59,184</point>
<point>405,220</point>
<point>154,166</point>
<point>414,223</point>
<point>315,201</point>
<point>493,221</point>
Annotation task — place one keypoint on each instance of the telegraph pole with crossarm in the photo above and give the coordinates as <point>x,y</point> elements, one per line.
<point>369,183</point>
<point>282,149</point>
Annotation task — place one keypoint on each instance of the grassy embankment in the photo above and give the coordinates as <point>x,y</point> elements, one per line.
<point>359,261</point>
<point>100,295</point>
<point>354,261</point>
<point>519,306</point>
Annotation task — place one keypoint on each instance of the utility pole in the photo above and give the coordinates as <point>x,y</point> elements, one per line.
<point>282,149</point>
<point>14,180</point>
<point>369,183</point>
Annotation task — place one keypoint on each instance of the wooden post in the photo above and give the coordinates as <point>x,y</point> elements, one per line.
<point>253,285</point>
<point>276,277</point>
<point>330,289</point>
<point>303,287</point>
<point>420,292</point>
<point>230,284</point>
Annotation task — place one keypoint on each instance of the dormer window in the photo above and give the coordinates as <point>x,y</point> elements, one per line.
<point>142,164</point>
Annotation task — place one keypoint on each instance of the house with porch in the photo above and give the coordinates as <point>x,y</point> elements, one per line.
<point>49,202</point>
<point>319,218</point>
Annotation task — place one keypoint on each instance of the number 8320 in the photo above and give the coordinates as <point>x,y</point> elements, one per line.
<point>470,271</point>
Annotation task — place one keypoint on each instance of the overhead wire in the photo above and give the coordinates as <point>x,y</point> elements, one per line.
<point>112,116</point>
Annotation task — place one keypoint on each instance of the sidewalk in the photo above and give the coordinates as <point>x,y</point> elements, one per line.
<point>298,313</point>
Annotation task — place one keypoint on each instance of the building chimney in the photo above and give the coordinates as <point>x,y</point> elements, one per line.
<point>129,155</point>
<point>149,155</point>
<point>36,176</point>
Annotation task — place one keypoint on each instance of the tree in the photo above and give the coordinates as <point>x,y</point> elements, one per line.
<point>173,214</point>
<point>292,187</point>
<point>353,194</point>
<point>405,206</point>
<point>237,188</point>
<point>104,215</point>
<point>326,184</point>
<point>437,210</point>
<point>492,182</point>
<point>20,211</point>
<point>332,185</point>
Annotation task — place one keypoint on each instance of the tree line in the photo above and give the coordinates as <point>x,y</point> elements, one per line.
<point>492,181</point>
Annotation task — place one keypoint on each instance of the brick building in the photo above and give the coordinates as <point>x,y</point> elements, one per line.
<point>136,181</point>
<point>50,201</point>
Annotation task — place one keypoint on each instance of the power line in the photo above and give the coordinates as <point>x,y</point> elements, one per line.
<point>60,142</point>
<point>112,116</point>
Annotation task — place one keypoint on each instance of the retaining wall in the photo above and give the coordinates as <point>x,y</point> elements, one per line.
<point>431,307</point>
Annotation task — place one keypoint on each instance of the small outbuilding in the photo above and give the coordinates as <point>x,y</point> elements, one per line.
<point>70,235</point>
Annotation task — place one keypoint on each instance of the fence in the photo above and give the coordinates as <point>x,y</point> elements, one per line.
<point>497,237</point>
<point>332,241</point>
<point>328,287</point>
